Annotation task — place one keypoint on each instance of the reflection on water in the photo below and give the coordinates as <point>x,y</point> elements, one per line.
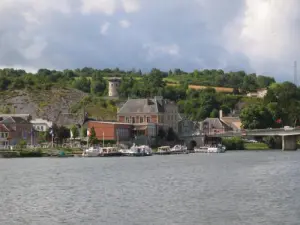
<point>220,189</point>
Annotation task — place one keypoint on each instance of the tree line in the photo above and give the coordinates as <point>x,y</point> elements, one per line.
<point>280,106</point>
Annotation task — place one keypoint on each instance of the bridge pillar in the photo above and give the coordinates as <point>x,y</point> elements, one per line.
<point>289,143</point>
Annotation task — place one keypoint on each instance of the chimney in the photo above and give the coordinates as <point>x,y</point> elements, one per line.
<point>221,114</point>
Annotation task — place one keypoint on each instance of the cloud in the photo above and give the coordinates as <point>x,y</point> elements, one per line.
<point>104,28</point>
<point>124,23</point>
<point>253,35</point>
<point>131,6</point>
<point>94,6</point>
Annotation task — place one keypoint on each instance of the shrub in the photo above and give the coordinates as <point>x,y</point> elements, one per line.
<point>234,143</point>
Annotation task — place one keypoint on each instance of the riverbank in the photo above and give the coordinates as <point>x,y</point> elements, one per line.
<point>24,153</point>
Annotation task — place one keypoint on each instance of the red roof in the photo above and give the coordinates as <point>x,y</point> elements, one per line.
<point>3,127</point>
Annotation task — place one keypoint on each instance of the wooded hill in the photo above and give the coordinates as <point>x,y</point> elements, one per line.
<point>87,88</point>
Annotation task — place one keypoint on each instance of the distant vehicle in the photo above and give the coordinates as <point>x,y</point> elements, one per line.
<point>250,141</point>
<point>288,128</point>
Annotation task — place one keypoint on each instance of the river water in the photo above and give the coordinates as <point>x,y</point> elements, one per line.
<point>234,188</point>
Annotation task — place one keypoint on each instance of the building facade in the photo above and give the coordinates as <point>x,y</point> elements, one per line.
<point>41,124</point>
<point>260,93</point>
<point>14,129</point>
<point>145,114</point>
<point>115,131</point>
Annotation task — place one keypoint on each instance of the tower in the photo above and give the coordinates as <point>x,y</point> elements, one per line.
<point>113,85</point>
<point>295,74</point>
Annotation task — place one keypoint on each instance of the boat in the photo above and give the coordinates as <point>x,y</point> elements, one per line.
<point>163,150</point>
<point>202,149</point>
<point>179,149</point>
<point>110,151</point>
<point>93,151</point>
<point>211,149</point>
<point>142,150</point>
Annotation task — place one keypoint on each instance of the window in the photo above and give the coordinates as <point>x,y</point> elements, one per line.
<point>127,119</point>
<point>141,120</point>
<point>133,120</point>
<point>148,119</point>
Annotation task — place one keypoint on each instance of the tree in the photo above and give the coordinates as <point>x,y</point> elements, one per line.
<point>256,116</point>
<point>74,131</point>
<point>93,137</point>
<point>60,133</point>
<point>161,133</point>
<point>83,84</point>
<point>43,136</point>
<point>83,132</point>
<point>171,135</point>
<point>214,114</point>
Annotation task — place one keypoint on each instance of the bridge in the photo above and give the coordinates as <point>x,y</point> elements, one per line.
<point>289,135</point>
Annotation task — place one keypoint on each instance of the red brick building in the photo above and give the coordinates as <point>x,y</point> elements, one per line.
<point>111,130</point>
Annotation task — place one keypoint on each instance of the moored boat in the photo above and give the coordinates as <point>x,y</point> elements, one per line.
<point>163,150</point>
<point>179,149</point>
<point>142,150</point>
<point>211,149</point>
<point>110,151</point>
<point>93,151</point>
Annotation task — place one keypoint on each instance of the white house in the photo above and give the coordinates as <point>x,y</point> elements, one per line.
<point>41,124</point>
<point>260,93</point>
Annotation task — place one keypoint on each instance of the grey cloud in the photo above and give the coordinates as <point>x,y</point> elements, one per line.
<point>74,40</point>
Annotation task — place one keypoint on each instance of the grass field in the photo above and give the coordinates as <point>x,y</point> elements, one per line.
<point>199,87</point>
<point>256,146</point>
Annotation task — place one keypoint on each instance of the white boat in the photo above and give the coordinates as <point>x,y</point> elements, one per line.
<point>211,149</point>
<point>179,149</point>
<point>110,151</point>
<point>164,150</point>
<point>217,149</point>
<point>142,150</point>
<point>202,149</point>
<point>93,151</point>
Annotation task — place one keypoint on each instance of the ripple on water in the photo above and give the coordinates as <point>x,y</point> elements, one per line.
<point>233,188</point>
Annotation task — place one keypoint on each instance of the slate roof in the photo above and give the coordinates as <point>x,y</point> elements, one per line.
<point>234,122</point>
<point>215,123</point>
<point>13,119</point>
<point>142,106</point>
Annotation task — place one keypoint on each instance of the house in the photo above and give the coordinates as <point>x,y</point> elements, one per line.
<point>15,128</point>
<point>233,123</point>
<point>187,127</point>
<point>220,125</point>
<point>260,93</point>
<point>4,136</point>
<point>213,126</point>
<point>41,124</point>
<point>149,114</point>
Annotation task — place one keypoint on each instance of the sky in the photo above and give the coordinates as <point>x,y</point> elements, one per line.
<point>260,36</point>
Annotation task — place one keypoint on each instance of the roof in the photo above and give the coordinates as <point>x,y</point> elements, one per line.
<point>214,123</point>
<point>114,79</point>
<point>142,106</point>
<point>108,122</point>
<point>13,119</point>
<point>232,121</point>
<point>3,127</point>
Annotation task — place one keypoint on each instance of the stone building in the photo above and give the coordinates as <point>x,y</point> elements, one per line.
<point>113,85</point>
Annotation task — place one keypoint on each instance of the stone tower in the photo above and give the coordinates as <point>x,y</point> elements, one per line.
<point>113,84</point>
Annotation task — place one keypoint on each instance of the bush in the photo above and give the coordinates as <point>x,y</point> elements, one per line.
<point>234,143</point>
<point>36,153</point>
